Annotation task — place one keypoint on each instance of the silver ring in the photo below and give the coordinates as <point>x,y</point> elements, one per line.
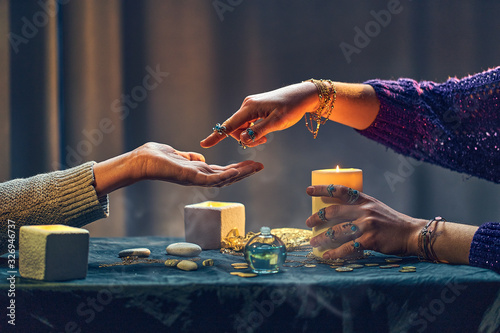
<point>251,134</point>
<point>330,233</point>
<point>321,214</point>
<point>353,195</point>
<point>221,129</point>
<point>356,246</point>
<point>352,228</point>
<point>330,190</point>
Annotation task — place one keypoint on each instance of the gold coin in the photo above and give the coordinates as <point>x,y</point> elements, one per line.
<point>393,259</point>
<point>240,267</point>
<point>371,264</point>
<point>344,269</point>
<point>235,273</point>
<point>239,264</point>
<point>385,266</point>
<point>338,260</point>
<point>393,265</point>
<point>407,270</point>
<point>355,266</point>
<point>309,265</point>
<point>408,267</point>
<point>247,275</point>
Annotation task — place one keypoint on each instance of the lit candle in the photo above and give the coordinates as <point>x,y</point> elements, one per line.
<point>352,178</point>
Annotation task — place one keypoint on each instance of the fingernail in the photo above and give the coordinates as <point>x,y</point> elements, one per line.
<point>310,190</point>
<point>313,243</point>
<point>326,256</point>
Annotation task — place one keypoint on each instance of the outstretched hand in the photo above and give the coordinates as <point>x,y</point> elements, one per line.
<point>163,162</point>
<point>363,220</point>
<point>265,113</point>
<point>157,161</point>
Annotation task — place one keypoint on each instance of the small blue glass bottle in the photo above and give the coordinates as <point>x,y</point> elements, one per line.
<point>265,253</point>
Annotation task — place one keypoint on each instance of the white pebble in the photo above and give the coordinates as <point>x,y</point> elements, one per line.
<point>184,249</point>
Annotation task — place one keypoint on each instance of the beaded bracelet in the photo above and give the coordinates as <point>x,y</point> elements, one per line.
<point>327,95</point>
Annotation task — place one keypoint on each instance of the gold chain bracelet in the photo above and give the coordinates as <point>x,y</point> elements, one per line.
<point>327,94</point>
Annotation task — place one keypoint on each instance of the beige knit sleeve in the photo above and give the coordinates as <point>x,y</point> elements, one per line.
<point>60,197</point>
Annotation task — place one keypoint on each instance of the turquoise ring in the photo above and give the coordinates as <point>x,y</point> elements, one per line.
<point>321,215</point>
<point>220,129</point>
<point>330,190</point>
<point>251,134</point>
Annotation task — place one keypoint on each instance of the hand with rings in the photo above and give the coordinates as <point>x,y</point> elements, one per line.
<point>360,223</point>
<point>265,113</point>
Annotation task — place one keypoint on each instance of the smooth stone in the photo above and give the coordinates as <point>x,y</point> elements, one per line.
<point>187,265</point>
<point>184,249</point>
<point>139,252</point>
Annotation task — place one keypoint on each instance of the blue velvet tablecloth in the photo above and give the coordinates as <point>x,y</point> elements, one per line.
<point>156,298</point>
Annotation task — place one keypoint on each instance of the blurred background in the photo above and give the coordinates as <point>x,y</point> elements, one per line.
<point>90,79</point>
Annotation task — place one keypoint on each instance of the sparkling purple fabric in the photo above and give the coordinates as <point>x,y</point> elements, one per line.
<point>456,125</point>
<point>485,247</point>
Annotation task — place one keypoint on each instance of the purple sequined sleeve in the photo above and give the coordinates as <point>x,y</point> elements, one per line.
<point>455,124</point>
<point>485,247</point>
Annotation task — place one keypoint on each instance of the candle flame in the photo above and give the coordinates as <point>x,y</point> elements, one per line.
<point>338,169</point>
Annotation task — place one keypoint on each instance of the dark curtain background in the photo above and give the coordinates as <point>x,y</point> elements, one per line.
<point>89,79</point>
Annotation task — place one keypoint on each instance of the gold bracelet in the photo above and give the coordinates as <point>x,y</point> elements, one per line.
<point>327,95</point>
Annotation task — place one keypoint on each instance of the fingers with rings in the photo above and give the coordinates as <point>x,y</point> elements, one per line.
<point>321,215</point>
<point>330,188</point>
<point>251,133</point>
<point>334,213</point>
<point>353,196</point>
<point>220,129</point>
<point>345,195</point>
<point>352,249</point>
<point>336,235</point>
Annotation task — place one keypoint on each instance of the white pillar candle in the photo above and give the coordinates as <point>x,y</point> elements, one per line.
<point>349,177</point>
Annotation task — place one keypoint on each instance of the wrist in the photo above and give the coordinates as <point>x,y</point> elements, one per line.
<point>412,241</point>
<point>117,172</point>
<point>312,99</point>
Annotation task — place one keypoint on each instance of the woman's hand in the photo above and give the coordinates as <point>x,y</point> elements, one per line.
<point>157,161</point>
<point>356,106</point>
<point>363,220</point>
<point>276,110</point>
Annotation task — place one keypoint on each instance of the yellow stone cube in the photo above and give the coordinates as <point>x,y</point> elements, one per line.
<point>53,252</point>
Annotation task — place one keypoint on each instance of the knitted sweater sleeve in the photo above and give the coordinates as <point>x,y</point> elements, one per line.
<point>485,247</point>
<point>455,124</point>
<point>60,197</point>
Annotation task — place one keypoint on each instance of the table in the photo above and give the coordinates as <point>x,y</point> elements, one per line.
<point>156,298</point>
